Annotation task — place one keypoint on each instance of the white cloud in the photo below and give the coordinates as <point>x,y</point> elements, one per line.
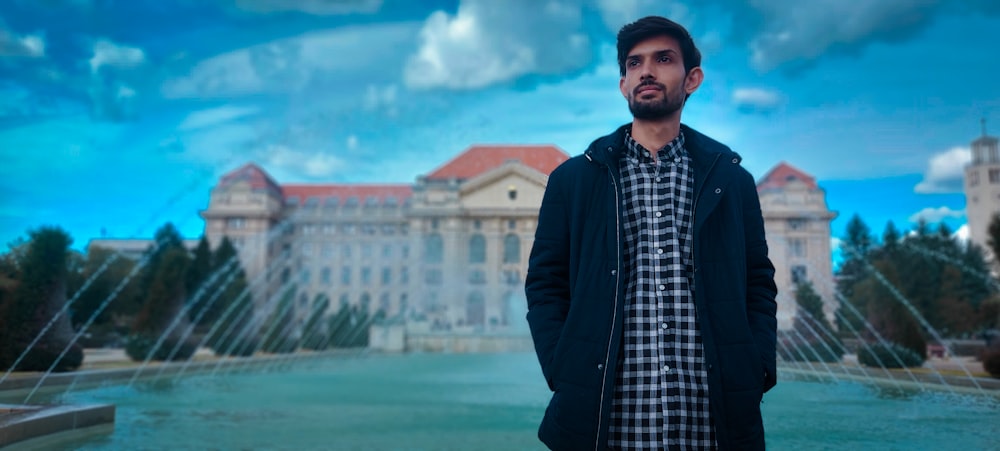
<point>352,142</point>
<point>805,31</point>
<point>757,99</point>
<point>935,215</point>
<point>383,99</point>
<point>296,164</point>
<point>315,7</point>
<point>291,64</point>
<point>617,13</point>
<point>214,116</point>
<point>945,172</point>
<point>30,46</point>
<point>107,53</point>
<point>488,42</point>
<point>962,234</point>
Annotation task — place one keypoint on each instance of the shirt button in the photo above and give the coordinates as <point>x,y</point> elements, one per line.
<point>657,179</point>
<point>718,190</point>
<point>614,271</point>
<point>663,287</point>
<point>659,251</point>
<point>664,326</point>
<point>658,214</point>
<point>666,368</point>
<point>600,366</point>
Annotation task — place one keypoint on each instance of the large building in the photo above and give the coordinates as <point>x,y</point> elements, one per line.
<point>797,222</point>
<point>450,252</point>
<point>982,187</point>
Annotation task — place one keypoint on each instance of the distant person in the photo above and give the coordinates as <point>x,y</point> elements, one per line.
<point>651,298</point>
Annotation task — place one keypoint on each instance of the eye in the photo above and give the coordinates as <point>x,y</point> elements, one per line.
<point>632,63</point>
<point>664,59</point>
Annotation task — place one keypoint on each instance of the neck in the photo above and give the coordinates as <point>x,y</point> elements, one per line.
<point>654,134</point>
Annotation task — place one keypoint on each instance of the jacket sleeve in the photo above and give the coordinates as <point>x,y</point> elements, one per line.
<point>761,290</point>
<point>547,284</point>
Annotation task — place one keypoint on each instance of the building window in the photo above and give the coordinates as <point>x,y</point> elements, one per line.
<point>366,250</point>
<point>404,275</point>
<point>368,229</point>
<point>405,250</point>
<point>511,276</point>
<point>327,251</point>
<point>366,275</point>
<point>477,276</point>
<point>512,224</point>
<point>475,310</point>
<point>477,224</point>
<point>796,247</point>
<point>477,249</point>
<point>974,178</point>
<point>324,276</point>
<point>796,224</point>
<point>388,229</point>
<point>434,249</point>
<point>512,192</point>
<point>511,249</point>
<point>304,276</point>
<point>387,251</point>
<point>799,274</point>
<point>994,176</point>
<point>434,224</point>
<point>345,251</point>
<point>386,276</point>
<point>309,229</point>
<point>433,277</point>
<point>345,275</point>
<point>236,223</point>
<point>307,249</point>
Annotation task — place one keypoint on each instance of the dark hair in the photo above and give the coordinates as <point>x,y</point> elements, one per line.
<point>654,26</point>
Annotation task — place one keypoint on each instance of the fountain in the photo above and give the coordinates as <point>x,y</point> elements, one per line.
<point>357,399</point>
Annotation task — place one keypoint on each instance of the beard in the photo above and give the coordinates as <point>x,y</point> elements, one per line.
<point>656,109</point>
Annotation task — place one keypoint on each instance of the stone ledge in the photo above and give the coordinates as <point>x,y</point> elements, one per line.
<point>19,424</point>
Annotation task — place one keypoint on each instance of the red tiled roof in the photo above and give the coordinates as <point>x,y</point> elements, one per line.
<point>481,158</point>
<point>782,174</point>
<point>328,193</point>
<point>252,174</point>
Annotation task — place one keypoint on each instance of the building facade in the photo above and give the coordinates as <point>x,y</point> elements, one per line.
<point>446,253</point>
<point>797,223</point>
<point>982,188</point>
<point>450,252</point>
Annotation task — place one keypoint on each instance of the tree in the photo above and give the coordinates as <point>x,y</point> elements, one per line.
<point>162,313</point>
<point>36,298</point>
<point>313,336</point>
<point>279,329</point>
<point>200,270</point>
<point>108,270</point>
<point>813,337</point>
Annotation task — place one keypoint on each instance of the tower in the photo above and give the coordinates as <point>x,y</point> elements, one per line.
<point>982,187</point>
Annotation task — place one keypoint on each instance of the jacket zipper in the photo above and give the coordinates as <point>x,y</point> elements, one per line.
<point>614,312</point>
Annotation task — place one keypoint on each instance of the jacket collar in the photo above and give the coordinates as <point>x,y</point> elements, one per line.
<point>704,151</point>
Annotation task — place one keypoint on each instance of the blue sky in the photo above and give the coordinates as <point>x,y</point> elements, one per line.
<point>120,116</point>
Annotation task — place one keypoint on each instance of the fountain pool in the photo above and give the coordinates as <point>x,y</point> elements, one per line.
<point>483,402</point>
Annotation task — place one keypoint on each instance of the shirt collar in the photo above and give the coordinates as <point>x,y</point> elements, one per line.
<point>672,150</point>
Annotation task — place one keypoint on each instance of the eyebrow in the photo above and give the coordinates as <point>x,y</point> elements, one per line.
<point>655,52</point>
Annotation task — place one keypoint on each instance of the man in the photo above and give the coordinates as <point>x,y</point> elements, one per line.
<point>651,299</point>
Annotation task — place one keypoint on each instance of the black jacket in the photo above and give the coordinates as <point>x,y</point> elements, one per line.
<point>575,293</point>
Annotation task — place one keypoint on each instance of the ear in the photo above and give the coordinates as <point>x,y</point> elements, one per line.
<point>693,80</point>
<point>621,86</point>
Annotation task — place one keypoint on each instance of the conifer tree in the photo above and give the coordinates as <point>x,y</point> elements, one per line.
<point>37,297</point>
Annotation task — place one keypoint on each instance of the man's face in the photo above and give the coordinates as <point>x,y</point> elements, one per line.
<point>654,83</point>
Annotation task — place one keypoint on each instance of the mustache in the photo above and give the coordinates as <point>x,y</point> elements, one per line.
<point>648,83</point>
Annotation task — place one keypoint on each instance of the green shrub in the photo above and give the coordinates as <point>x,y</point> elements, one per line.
<point>874,353</point>
<point>41,357</point>
<point>991,360</point>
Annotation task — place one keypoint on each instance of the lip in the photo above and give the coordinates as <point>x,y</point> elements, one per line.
<point>646,88</point>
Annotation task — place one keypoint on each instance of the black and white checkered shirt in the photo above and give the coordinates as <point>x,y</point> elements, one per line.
<point>661,389</point>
